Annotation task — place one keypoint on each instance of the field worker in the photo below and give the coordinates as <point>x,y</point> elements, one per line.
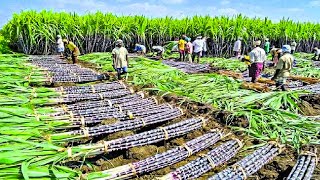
<point>120,58</point>
<point>159,50</point>
<point>237,48</point>
<point>60,46</point>
<point>275,53</point>
<point>189,50</point>
<point>283,68</point>
<point>74,50</point>
<point>316,54</point>
<point>267,46</point>
<point>205,47</point>
<point>140,49</point>
<point>197,49</point>
<point>293,46</point>
<point>182,45</point>
<point>257,59</point>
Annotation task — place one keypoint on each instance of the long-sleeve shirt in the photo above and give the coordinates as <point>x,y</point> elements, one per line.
<point>285,65</point>
<point>197,45</point>
<point>237,46</point>
<point>257,55</point>
<point>60,43</point>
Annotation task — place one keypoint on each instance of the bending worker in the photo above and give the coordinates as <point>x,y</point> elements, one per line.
<point>159,50</point>
<point>316,54</point>
<point>257,59</point>
<point>283,68</point>
<point>74,50</point>
<point>120,59</point>
<point>140,49</point>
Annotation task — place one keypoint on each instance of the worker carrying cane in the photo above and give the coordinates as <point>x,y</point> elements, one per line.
<point>74,50</point>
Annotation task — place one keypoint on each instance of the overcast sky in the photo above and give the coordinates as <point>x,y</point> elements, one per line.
<point>297,10</point>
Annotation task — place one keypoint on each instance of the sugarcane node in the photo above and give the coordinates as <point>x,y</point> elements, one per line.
<point>243,171</point>
<point>211,162</point>
<point>120,108</point>
<point>143,122</point>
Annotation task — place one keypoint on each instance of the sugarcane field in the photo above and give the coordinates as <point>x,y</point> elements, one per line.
<point>168,90</point>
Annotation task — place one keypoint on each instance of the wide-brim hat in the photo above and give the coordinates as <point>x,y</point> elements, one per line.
<point>286,48</point>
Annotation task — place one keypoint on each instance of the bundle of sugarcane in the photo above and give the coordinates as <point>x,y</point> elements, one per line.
<point>97,115</point>
<point>160,160</point>
<point>230,74</point>
<point>304,167</point>
<point>71,98</point>
<point>96,88</point>
<point>207,162</point>
<point>190,68</point>
<point>117,127</point>
<point>250,164</point>
<point>101,103</point>
<point>255,86</point>
<point>141,139</point>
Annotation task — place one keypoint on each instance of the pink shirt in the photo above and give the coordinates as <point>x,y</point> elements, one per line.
<point>189,48</point>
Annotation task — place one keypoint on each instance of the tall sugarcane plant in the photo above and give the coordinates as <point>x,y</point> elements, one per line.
<point>34,32</point>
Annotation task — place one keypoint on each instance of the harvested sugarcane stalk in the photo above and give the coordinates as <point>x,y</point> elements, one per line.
<point>255,86</point>
<point>97,88</point>
<point>116,127</point>
<point>160,160</point>
<point>250,164</point>
<point>305,79</point>
<point>304,168</point>
<point>190,68</point>
<point>206,162</point>
<point>141,139</point>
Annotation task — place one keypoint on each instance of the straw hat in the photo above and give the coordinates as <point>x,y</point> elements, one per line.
<point>316,48</point>
<point>257,43</point>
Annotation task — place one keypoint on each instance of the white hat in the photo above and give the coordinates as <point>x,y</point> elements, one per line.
<point>59,36</point>
<point>286,48</point>
<point>119,41</point>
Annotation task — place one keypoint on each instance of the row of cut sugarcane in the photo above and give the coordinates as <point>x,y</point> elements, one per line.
<point>196,168</point>
<point>60,71</point>
<point>190,68</point>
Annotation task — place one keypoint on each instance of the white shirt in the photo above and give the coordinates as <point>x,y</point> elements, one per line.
<point>204,44</point>
<point>237,45</point>
<point>257,55</point>
<point>197,45</point>
<point>60,43</point>
<point>317,52</point>
<point>160,48</point>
